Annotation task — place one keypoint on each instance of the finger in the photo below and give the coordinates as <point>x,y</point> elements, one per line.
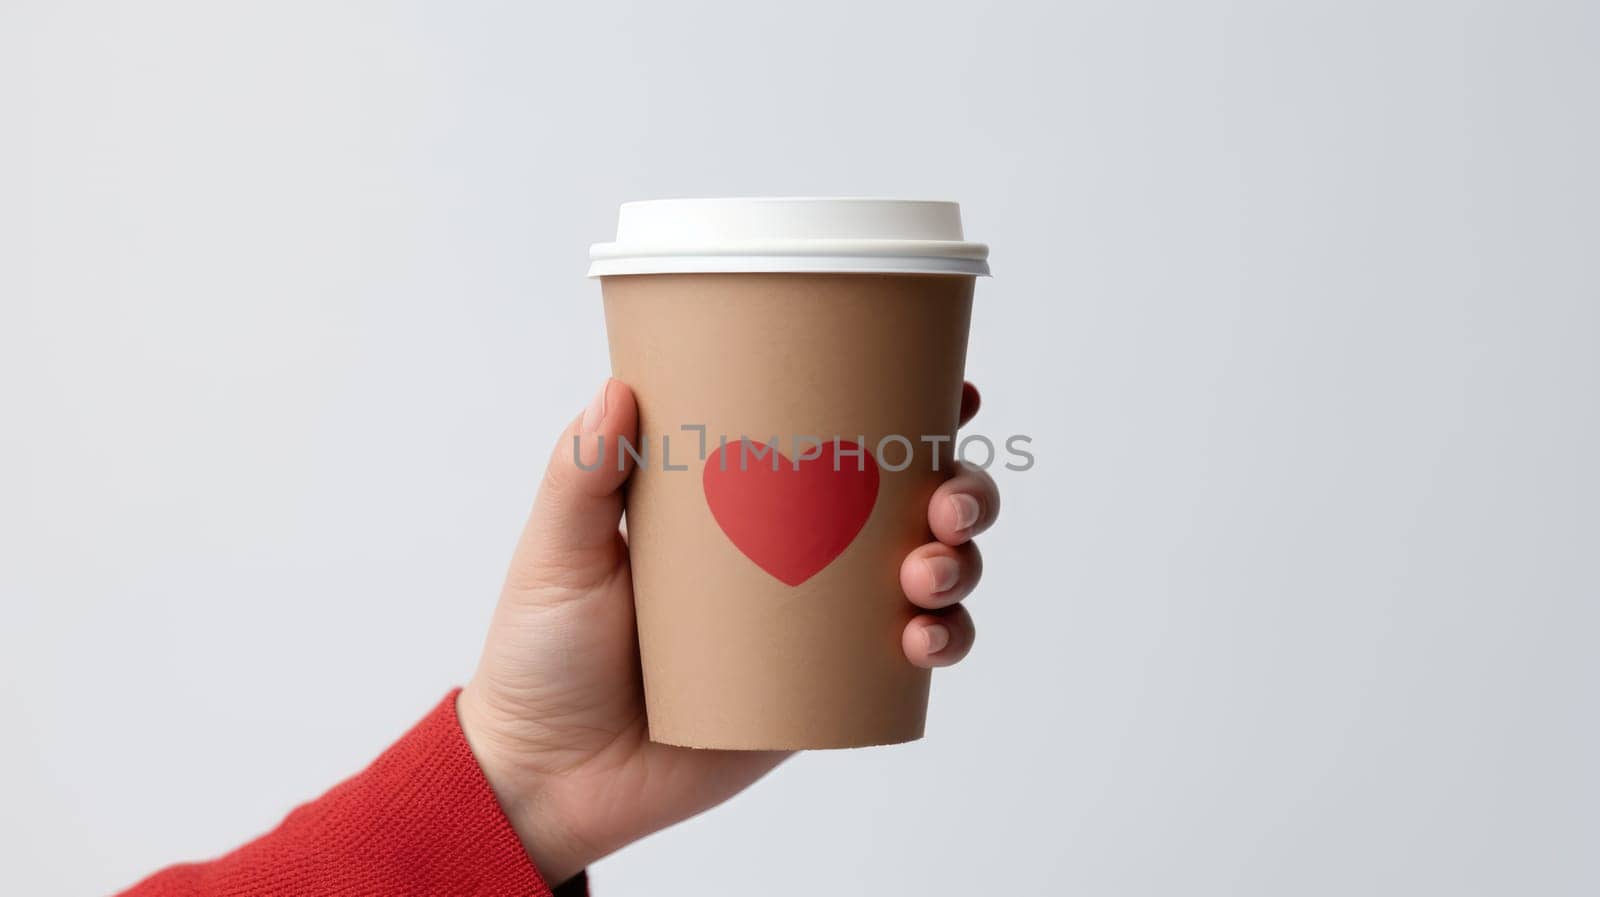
<point>939,640</point>
<point>963,506</point>
<point>571,539</point>
<point>970,400</point>
<point>938,575</point>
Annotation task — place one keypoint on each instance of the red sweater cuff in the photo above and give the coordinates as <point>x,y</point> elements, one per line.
<point>421,820</point>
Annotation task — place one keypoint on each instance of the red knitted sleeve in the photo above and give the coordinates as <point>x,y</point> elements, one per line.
<point>421,820</point>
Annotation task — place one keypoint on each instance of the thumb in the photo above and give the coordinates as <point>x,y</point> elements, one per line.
<point>571,540</point>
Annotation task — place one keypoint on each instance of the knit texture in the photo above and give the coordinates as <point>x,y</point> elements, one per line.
<point>421,820</point>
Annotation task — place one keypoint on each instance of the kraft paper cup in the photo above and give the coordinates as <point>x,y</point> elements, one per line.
<point>825,338</point>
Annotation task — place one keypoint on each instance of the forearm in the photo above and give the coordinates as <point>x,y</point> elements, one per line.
<point>421,820</point>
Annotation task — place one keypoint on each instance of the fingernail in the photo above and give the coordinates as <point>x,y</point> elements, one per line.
<point>937,636</point>
<point>595,414</point>
<point>967,511</point>
<point>943,573</point>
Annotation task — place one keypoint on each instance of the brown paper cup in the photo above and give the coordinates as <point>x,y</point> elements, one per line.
<point>769,603</point>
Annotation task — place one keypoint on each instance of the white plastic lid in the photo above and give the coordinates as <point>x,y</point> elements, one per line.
<point>789,234</point>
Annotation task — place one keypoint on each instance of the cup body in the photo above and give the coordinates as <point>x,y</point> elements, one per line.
<point>769,603</point>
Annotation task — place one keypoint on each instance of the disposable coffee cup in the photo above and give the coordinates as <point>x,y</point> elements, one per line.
<point>798,367</point>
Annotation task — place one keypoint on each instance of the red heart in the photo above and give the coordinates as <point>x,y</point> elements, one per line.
<point>795,520</point>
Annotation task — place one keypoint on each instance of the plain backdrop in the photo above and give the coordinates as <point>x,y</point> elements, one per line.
<point>1298,302</point>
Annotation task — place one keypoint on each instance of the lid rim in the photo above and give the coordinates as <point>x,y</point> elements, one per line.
<point>787,264</point>
<point>801,247</point>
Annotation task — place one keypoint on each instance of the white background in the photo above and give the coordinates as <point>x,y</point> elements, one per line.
<point>1299,302</point>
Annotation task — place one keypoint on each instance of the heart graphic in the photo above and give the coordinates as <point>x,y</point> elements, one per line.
<point>792,521</point>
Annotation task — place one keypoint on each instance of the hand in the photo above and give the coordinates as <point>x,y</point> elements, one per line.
<point>555,711</point>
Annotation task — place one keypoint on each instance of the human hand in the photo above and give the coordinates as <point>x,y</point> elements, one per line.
<point>555,712</point>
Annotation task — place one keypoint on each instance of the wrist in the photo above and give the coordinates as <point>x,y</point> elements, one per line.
<point>530,799</point>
